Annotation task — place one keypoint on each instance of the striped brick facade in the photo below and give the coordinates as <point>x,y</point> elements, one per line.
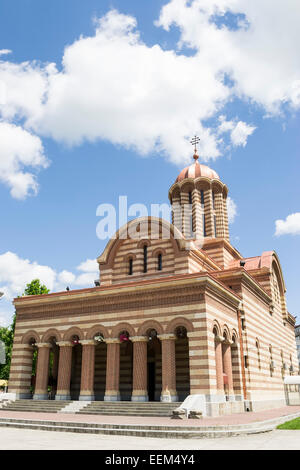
<point>195,321</point>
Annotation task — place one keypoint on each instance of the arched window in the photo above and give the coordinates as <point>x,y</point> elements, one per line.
<point>159,262</point>
<point>204,225</point>
<point>145,258</point>
<point>130,266</point>
<point>202,198</point>
<point>190,198</point>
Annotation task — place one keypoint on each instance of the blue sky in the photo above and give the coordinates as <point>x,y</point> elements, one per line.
<point>116,115</point>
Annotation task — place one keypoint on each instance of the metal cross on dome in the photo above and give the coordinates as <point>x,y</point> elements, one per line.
<point>195,140</point>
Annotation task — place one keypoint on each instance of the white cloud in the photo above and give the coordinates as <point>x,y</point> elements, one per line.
<point>239,131</point>
<point>16,272</point>
<point>232,210</point>
<point>260,54</point>
<point>90,265</point>
<point>18,149</point>
<point>112,86</point>
<point>289,226</point>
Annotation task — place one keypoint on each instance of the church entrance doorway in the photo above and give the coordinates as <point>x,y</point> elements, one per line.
<point>154,366</point>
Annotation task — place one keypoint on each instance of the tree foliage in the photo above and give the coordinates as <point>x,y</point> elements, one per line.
<point>36,288</point>
<point>7,333</point>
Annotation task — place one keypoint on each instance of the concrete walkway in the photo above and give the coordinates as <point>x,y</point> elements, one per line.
<point>230,420</point>
<point>20,439</point>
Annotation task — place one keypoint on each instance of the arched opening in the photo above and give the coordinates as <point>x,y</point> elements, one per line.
<point>100,366</point>
<point>154,365</point>
<point>33,353</point>
<point>76,368</point>
<point>236,367</point>
<point>145,251</point>
<point>53,367</point>
<point>159,262</point>
<point>126,369</point>
<point>182,363</point>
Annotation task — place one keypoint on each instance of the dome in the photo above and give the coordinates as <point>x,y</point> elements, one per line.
<point>195,171</point>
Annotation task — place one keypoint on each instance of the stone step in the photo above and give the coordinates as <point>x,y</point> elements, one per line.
<point>135,430</point>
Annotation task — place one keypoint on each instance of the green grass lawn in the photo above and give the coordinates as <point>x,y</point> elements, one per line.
<point>294,424</point>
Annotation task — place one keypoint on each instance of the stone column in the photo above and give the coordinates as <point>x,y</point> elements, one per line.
<point>219,210</point>
<point>225,218</point>
<point>42,372</point>
<point>168,392</point>
<point>209,213</point>
<point>197,216</point>
<point>186,215</point>
<point>112,392</point>
<point>139,381</point>
<point>176,212</point>
<point>64,371</point>
<point>227,363</point>
<point>87,370</point>
<point>219,364</point>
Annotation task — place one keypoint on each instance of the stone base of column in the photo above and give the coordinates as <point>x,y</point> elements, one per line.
<point>168,397</point>
<point>63,397</point>
<point>86,397</point>
<point>112,397</point>
<point>40,396</point>
<point>140,397</point>
<point>23,396</point>
<point>231,398</point>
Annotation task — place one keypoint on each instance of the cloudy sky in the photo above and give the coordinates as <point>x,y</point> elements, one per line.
<point>101,98</point>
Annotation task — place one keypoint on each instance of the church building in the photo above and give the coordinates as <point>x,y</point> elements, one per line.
<point>176,314</point>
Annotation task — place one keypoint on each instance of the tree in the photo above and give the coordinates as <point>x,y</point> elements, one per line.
<point>36,288</point>
<point>7,334</point>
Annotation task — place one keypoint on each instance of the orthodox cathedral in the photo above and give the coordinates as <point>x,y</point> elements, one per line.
<point>177,314</point>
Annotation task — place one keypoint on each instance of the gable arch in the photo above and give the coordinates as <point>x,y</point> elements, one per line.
<point>109,253</point>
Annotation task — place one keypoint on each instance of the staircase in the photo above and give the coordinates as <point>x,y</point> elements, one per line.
<point>129,408</point>
<point>38,406</point>
<point>123,408</point>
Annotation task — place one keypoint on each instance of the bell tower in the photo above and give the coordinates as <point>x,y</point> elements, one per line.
<point>199,202</point>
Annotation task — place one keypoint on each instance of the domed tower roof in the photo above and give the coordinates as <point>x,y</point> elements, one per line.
<point>195,170</point>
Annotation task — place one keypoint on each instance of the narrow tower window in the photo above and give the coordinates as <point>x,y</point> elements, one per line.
<point>204,228</point>
<point>130,266</point>
<point>202,198</point>
<point>159,262</point>
<point>215,226</point>
<point>145,258</point>
<point>190,198</point>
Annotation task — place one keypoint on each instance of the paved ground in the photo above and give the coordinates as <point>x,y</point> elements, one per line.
<point>20,439</point>
<point>239,418</point>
